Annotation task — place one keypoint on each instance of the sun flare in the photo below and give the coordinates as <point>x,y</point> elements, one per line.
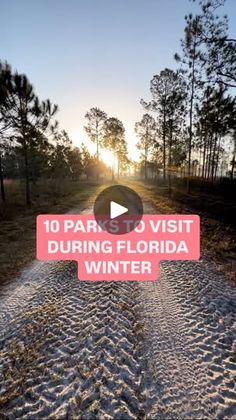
<point>109,158</point>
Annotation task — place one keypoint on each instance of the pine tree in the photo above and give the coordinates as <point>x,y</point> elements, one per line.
<point>146,131</point>
<point>114,140</point>
<point>190,61</point>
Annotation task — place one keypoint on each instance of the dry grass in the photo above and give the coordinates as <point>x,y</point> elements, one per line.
<point>22,354</point>
<point>17,223</point>
<point>217,238</point>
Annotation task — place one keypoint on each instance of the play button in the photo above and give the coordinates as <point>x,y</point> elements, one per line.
<point>118,209</point>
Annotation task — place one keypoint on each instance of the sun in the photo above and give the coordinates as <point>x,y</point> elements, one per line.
<point>109,158</point>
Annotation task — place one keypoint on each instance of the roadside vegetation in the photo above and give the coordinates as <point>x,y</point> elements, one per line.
<point>218,244</point>
<point>189,125</point>
<point>18,222</point>
<point>187,135</point>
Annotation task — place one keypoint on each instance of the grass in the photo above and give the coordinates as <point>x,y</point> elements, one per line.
<point>217,237</point>
<point>18,223</point>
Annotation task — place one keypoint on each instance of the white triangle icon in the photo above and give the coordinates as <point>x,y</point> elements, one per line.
<point>117,210</point>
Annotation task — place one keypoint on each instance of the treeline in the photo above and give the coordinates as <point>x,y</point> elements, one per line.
<point>108,133</point>
<point>32,145</point>
<point>190,124</point>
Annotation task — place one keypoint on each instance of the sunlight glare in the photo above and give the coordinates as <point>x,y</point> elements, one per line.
<point>109,158</point>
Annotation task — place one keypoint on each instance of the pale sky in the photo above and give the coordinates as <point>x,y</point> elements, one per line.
<point>86,53</point>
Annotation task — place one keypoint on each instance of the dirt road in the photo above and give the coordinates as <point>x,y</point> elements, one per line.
<point>74,349</point>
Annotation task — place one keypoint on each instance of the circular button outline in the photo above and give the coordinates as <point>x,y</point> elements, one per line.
<point>124,196</point>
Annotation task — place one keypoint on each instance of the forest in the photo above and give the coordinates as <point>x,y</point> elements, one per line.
<point>186,136</point>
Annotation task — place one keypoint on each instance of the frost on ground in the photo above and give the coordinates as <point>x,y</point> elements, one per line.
<point>115,350</point>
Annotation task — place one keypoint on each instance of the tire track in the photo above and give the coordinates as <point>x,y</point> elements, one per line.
<point>117,350</point>
<point>191,340</point>
<point>79,353</point>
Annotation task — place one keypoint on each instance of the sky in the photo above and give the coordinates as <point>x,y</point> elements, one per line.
<point>87,53</point>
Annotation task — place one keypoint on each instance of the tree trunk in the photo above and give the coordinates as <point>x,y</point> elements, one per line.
<point>145,170</point>
<point>190,127</point>
<point>97,143</point>
<point>204,157</point>
<point>233,159</point>
<point>170,160</point>
<point>145,160</point>
<point>232,168</point>
<point>213,159</point>
<point>27,181</point>
<point>217,160</point>
<point>3,196</point>
<point>164,143</point>
<point>210,157</point>
<point>207,158</point>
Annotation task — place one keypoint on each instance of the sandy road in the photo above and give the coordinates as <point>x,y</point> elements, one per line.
<point>74,349</point>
